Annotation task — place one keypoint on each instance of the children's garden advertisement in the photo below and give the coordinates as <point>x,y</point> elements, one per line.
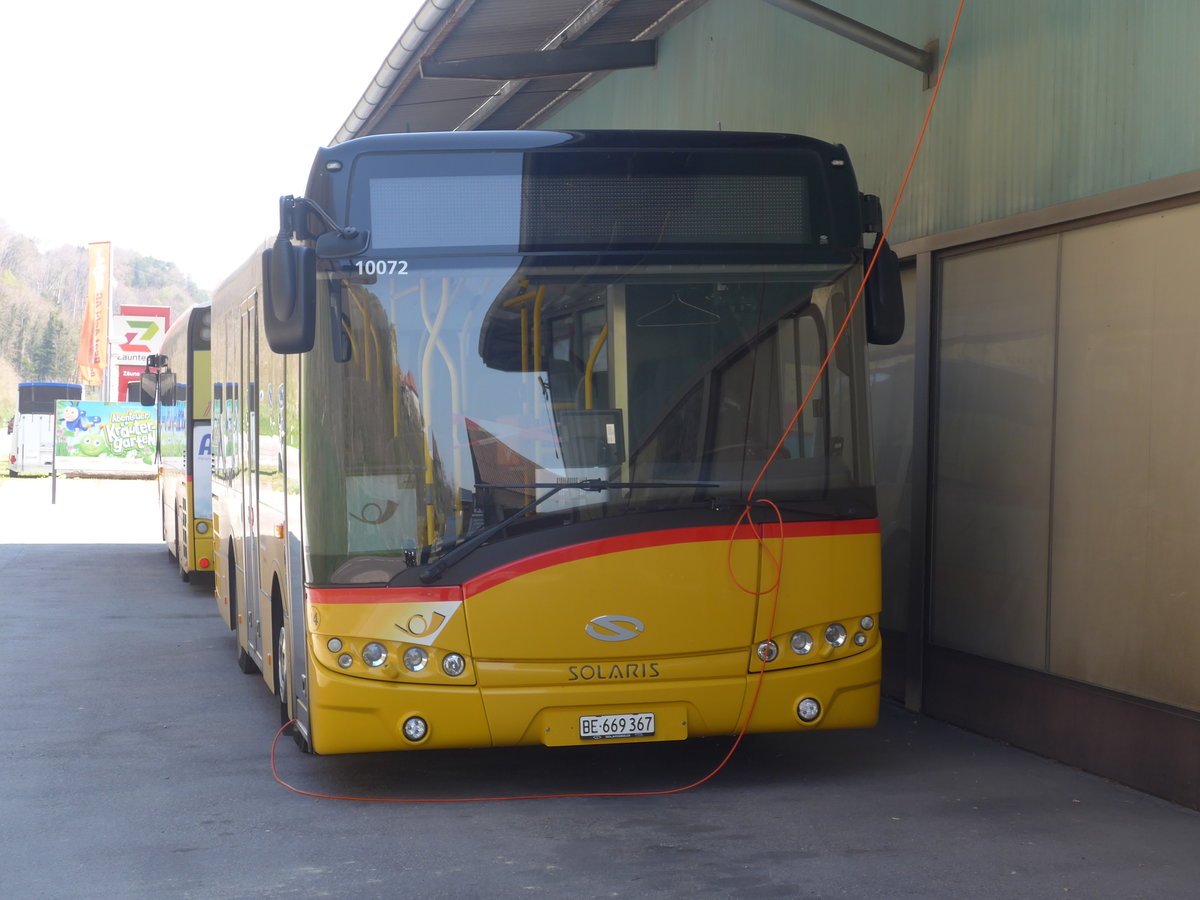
<point>109,438</point>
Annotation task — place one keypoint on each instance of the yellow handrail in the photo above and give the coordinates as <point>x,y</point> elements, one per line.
<point>591,365</point>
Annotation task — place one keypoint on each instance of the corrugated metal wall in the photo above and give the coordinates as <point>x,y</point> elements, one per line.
<point>1044,101</point>
<point>1063,477</point>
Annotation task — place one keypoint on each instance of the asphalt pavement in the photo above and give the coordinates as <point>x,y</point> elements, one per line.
<point>136,763</point>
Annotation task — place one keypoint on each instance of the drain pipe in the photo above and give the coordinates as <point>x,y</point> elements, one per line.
<point>427,19</point>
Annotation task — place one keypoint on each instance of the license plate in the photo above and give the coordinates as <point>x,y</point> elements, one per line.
<point>624,725</point>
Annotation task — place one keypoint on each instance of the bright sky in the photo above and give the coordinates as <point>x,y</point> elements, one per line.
<point>172,129</point>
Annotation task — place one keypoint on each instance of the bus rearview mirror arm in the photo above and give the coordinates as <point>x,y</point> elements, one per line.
<point>335,243</point>
<point>289,273</point>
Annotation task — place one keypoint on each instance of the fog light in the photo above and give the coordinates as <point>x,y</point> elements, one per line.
<point>808,709</point>
<point>835,635</point>
<point>767,651</point>
<point>454,665</point>
<point>415,659</point>
<point>345,660</point>
<point>802,643</point>
<point>334,645</point>
<point>415,728</point>
<point>860,639</point>
<point>866,623</point>
<point>201,528</point>
<point>374,654</point>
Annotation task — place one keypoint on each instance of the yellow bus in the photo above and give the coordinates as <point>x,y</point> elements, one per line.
<point>180,387</point>
<point>489,411</point>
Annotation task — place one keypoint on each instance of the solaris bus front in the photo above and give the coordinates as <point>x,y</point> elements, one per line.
<point>541,379</point>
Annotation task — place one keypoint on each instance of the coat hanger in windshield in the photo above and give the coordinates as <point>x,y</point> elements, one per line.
<point>677,312</point>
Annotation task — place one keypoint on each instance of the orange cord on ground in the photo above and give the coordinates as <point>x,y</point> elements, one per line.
<point>744,520</point>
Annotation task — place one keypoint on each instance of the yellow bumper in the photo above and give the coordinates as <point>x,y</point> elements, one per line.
<point>356,715</point>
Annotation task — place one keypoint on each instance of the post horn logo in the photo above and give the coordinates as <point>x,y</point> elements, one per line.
<point>418,626</point>
<point>614,628</point>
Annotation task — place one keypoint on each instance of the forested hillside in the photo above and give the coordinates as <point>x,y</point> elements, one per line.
<point>42,298</point>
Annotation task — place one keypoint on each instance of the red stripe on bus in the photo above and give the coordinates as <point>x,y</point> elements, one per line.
<point>602,547</point>
<point>646,539</point>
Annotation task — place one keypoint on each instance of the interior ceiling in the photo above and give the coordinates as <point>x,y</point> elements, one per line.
<point>475,29</point>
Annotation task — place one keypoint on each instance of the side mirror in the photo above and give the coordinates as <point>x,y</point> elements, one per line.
<point>157,386</point>
<point>148,388</point>
<point>885,299</point>
<point>289,296</point>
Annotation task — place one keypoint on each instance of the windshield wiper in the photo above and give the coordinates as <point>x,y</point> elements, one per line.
<point>433,572</point>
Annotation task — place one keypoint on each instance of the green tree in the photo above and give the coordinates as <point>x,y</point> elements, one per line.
<point>44,355</point>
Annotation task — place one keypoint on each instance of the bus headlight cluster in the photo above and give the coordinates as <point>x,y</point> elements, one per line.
<point>377,657</point>
<point>835,634</point>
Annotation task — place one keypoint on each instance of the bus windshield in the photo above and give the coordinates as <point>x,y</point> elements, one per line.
<point>465,390</point>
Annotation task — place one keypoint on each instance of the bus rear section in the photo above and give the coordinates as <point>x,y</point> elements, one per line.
<point>32,426</point>
<point>653,636</point>
<point>180,389</point>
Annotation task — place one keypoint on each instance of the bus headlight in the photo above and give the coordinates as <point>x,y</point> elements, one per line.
<point>415,658</point>
<point>802,643</point>
<point>767,651</point>
<point>835,634</point>
<point>345,660</point>
<point>201,528</point>
<point>334,645</point>
<point>453,664</point>
<point>374,654</point>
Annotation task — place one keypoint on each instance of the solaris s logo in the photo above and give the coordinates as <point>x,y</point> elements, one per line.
<point>614,628</point>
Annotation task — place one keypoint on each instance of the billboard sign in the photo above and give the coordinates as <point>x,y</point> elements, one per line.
<point>104,438</point>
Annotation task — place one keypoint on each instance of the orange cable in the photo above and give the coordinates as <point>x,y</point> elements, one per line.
<point>874,256</point>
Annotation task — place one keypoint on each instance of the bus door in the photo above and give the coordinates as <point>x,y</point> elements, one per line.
<point>248,588</point>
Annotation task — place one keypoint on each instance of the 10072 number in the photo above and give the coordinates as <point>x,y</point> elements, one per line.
<point>381,266</point>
